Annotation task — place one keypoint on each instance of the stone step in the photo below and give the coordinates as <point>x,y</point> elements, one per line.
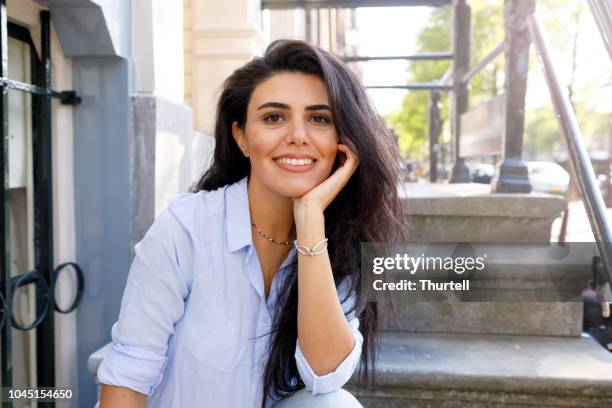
<point>477,371</point>
<point>533,290</point>
<point>471,213</point>
<point>504,318</point>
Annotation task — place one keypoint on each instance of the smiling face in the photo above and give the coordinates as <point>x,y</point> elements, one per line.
<point>289,135</point>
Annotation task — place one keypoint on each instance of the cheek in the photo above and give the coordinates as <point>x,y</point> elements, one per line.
<point>257,152</point>
<point>261,145</point>
<point>329,149</point>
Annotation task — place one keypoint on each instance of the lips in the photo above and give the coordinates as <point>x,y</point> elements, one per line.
<point>295,163</point>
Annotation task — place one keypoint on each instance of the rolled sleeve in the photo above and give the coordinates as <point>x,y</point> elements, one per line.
<point>154,299</point>
<point>132,367</point>
<point>340,376</point>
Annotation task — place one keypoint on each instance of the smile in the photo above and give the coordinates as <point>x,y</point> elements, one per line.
<point>295,162</point>
<point>295,165</point>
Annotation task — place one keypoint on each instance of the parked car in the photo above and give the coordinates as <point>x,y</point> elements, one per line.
<point>548,177</point>
<point>482,173</point>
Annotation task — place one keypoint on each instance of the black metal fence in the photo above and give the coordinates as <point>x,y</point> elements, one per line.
<point>45,274</point>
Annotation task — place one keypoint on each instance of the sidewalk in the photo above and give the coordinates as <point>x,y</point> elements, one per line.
<point>578,226</point>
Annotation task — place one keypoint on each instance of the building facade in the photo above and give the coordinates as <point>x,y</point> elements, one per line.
<point>131,93</point>
<point>116,158</point>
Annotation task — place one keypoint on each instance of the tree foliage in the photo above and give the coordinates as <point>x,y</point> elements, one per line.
<point>542,134</point>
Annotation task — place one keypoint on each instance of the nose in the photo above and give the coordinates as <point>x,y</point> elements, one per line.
<point>297,133</point>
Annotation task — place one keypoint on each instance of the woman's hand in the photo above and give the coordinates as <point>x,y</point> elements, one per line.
<point>322,195</point>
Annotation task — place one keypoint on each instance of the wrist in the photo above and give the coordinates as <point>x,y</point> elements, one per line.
<point>305,213</point>
<point>309,224</point>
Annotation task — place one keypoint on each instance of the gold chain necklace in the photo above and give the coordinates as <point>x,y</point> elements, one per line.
<point>269,238</point>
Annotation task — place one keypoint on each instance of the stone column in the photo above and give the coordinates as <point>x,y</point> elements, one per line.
<point>157,48</point>
<point>225,35</point>
<point>162,122</point>
<point>168,155</point>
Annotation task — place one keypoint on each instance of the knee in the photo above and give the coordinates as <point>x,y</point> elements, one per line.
<point>340,398</point>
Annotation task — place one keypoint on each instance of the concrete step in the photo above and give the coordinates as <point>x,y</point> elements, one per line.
<point>527,289</point>
<point>477,371</point>
<point>504,318</point>
<point>470,213</point>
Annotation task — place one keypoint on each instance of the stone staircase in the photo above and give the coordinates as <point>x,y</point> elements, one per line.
<point>490,354</point>
<point>428,370</point>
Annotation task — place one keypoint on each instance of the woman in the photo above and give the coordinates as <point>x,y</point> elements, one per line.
<point>247,289</point>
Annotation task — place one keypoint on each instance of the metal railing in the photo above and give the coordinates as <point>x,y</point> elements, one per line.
<point>423,56</point>
<point>579,157</point>
<point>602,12</point>
<point>43,277</point>
<point>314,4</point>
<point>479,66</point>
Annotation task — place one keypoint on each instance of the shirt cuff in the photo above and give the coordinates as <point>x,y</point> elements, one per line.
<point>131,367</point>
<point>330,381</point>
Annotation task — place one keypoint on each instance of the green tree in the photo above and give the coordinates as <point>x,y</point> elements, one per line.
<point>542,134</point>
<point>410,122</point>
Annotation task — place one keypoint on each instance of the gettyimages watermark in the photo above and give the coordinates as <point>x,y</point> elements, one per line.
<point>477,272</point>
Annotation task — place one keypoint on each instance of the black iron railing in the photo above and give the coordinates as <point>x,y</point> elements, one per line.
<point>579,158</point>
<point>44,275</point>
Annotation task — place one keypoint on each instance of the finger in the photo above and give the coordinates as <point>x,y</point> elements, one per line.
<point>348,142</point>
<point>342,156</point>
<point>340,176</point>
<point>350,146</point>
<point>346,158</point>
<point>347,151</point>
<point>351,156</point>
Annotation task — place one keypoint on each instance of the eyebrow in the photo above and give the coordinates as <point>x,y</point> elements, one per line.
<point>318,107</point>
<point>285,106</point>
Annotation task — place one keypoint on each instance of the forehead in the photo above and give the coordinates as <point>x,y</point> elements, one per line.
<point>294,89</point>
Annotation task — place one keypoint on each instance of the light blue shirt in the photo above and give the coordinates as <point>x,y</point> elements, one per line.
<point>193,315</point>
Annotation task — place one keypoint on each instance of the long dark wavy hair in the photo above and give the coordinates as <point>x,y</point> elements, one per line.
<point>366,210</point>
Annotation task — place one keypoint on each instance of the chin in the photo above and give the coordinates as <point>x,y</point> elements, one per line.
<point>295,189</point>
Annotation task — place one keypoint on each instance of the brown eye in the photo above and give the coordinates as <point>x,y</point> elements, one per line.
<point>320,119</point>
<point>273,118</point>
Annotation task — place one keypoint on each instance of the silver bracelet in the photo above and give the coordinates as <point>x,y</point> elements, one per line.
<point>319,248</point>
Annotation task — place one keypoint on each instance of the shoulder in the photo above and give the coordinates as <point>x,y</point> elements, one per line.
<point>191,207</point>
<point>193,211</point>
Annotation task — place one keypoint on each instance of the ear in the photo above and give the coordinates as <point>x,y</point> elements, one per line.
<point>240,139</point>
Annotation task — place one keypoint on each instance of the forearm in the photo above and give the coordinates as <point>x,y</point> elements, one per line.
<point>324,335</point>
<point>121,397</point>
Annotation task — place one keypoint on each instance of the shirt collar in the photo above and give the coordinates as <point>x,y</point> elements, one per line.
<point>238,219</point>
<point>237,216</point>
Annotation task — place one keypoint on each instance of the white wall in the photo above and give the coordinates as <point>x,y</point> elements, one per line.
<point>224,36</point>
<point>157,47</point>
<point>284,24</point>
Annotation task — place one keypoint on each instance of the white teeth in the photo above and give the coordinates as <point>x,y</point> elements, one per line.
<point>295,162</point>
